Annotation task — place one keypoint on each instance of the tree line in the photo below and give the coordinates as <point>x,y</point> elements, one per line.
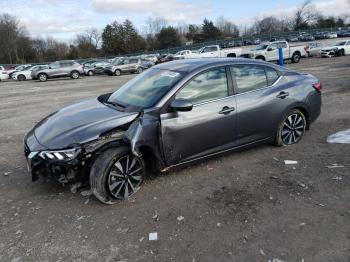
<point>118,38</point>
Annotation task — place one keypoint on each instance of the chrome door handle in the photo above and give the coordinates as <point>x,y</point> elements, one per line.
<point>282,95</point>
<point>226,110</point>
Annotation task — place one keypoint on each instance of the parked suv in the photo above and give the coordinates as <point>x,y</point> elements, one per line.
<point>126,65</point>
<point>59,69</point>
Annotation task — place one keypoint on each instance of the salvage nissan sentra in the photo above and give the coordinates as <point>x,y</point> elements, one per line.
<point>171,115</point>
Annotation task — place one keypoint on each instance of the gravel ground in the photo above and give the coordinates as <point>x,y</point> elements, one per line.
<point>244,206</point>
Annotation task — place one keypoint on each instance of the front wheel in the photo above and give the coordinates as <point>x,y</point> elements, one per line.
<point>117,72</point>
<point>139,70</point>
<point>291,129</point>
<point>341,52</point>
<point>74,75</point>
<point>42,77</point>
<point>21,78</point>
<point>116,175</point>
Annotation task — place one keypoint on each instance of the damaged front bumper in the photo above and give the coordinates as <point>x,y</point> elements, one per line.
<point>66,164</point>
<point>63,164</point>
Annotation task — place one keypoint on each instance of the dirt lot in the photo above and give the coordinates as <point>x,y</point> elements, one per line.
<point>245,206</point>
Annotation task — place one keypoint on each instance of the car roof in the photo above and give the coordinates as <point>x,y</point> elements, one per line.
<point>190,65</point>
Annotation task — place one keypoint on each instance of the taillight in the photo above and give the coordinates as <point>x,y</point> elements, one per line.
<point>318,86</point>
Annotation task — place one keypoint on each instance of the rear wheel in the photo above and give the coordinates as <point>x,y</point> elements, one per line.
<point>42,77</point>
<point>295,58</point>
<point>90,73</point>
<point>260,58</point>
<point>291,129</point>
<point>139,70</point>
<point>74,75</point>
<point>116,175</point>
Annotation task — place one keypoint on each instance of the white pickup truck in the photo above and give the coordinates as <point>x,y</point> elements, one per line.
<point>216,51</point>
<point>269,51</point>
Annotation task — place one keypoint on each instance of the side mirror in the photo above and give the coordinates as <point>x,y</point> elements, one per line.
<point>269,49</point>
<point>181,105</point>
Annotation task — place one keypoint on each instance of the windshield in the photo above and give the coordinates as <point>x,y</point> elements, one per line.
<point>341,43</point>
<point>145,90</point>
<point>261,47</point>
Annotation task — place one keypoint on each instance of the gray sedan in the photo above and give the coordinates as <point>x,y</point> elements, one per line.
<point>171,115</point>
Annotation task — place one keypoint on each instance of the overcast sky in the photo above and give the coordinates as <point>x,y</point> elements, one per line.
<point>64,18</point>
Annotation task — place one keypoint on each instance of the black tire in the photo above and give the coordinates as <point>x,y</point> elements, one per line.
<point>42,77</point>
<point>105,169</point>
<point>90,73</point>
<point>289,133</point>
<point>260,58</point>
<point>295,57</point>
<point>21,78</point>
<point>139,70</point>
<point>74,75</point>
<point>341,52</point>
<point>117,72</point>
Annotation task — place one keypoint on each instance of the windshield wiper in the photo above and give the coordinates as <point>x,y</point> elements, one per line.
<point>116,104</point>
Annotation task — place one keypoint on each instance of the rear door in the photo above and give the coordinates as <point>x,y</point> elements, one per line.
<point>209,127</point>
<point>133,64</point>
<point>54,69</point>
<point>261,101</point>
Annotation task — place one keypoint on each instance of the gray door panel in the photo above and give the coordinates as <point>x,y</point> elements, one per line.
<point>188,135</point>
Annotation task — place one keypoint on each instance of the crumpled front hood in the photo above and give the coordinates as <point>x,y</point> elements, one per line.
<point>79,123</point>
<point>328,48</point>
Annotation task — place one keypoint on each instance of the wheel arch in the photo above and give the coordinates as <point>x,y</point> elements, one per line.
<point>231,55</point>
<point>260,57</point>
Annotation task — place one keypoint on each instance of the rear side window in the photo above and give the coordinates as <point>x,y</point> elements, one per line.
<point>210,85</point>
<point>271,75</point>
<point>133,61</point>
<point>249,77</point>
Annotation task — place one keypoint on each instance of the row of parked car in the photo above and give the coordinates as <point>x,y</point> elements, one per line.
<point>120,65</point>
<point>301,37</point>
<point>75,69</point>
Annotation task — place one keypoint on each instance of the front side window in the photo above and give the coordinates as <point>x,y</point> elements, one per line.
<point>249,77</point>
<point>210,85</point>
<point>55,65</point>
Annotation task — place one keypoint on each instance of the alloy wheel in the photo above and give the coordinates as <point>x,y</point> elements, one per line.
<point>75,75</point>
<point>125,176</point>
<point>42,77</point>
<point>293,129</point>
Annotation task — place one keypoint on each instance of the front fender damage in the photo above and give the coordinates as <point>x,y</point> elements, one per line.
<point>143,134</point>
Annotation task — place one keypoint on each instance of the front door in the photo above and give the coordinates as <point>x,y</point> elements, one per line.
<point>209,127</point>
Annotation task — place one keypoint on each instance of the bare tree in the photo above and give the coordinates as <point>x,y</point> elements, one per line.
<point>228,28</point>
<point>94,37</point>
<point>304,15</point>
<point>155,24</point>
